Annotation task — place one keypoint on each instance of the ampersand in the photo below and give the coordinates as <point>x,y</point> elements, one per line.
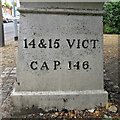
<point>42,44</point>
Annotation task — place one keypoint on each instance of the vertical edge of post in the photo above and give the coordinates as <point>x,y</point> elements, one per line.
<point>1,28</point>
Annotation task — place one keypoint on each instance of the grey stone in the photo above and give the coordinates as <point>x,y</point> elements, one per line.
<point>13,75</point>
<point>13,71</point>
<point>116,87</point>
<point>111,83</point>
<point>1,84</point>
<point>62,78</point>
<point>106,78</point>
<point>14,68</point>
<point>3,75</point>
<point>60,56</point>
<point>60,99</point>
<point>7,69</point>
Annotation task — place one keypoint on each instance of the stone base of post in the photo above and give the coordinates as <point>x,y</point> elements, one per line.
<point>48,100</point>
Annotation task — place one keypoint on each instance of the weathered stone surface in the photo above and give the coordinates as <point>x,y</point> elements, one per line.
<point>60,61</point>
<point>73,28</point>
<point>59,99</point>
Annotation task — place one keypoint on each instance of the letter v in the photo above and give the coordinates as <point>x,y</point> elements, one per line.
<point>69,43</point>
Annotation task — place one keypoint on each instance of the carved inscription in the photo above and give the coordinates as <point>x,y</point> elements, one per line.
<point>55,44</point>
<point>57,65</point>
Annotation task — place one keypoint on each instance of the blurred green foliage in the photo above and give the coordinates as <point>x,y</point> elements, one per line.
<point>111,19</point>
<point>7,5</point>
<point>15,3</point>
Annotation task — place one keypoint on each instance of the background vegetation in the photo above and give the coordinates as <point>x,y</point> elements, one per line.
<point>8,6</point>
<point>112,18</point>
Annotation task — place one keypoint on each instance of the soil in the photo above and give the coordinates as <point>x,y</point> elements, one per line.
<point>111,48</point>
<point>8,55</point>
